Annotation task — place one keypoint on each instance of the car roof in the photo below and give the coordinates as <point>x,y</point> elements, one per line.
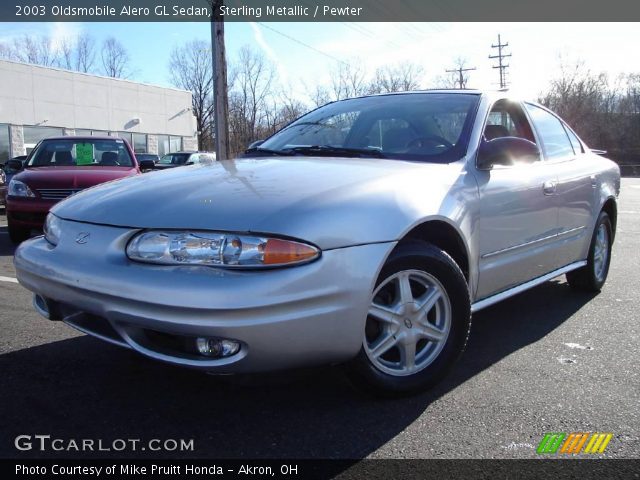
<point>499,93</point>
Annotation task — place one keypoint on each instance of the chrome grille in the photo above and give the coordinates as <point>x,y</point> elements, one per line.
<point>57,193</point>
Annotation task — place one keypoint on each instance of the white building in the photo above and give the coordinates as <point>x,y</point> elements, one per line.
<point>38,102</point>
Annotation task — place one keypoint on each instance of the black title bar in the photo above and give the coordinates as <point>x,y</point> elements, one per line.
<point>319,11</point>
<point>556,469</point>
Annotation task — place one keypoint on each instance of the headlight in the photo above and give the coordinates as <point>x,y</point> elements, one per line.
<point>52,229</point>
<point>19,189</point>
<point>217,249</point>
<point>3,177</point>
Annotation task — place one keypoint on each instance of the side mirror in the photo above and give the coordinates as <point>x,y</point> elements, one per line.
<point>146,164</point>
<point>506,151</point>
<point>15,165</point>
<point>255,144</point>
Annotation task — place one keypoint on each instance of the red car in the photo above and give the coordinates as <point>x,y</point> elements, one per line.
<point>59,167</point>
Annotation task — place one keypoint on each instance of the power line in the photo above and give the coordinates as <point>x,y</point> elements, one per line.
<point>302,43</point>
<point>502,67</point>
<point>462,81</point>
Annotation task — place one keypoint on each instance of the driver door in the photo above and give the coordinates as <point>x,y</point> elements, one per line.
<point>518,212</point>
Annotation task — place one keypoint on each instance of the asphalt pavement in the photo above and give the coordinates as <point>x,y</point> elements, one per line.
<point>548,360</point>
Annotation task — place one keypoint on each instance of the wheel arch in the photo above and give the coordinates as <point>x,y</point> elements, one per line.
<point>446,237</point>
<point>610,206</point>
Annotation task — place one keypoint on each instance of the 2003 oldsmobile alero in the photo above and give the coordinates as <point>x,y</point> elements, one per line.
<point>364,233</point>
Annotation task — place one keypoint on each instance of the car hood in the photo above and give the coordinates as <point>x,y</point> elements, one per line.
<point>71,177</point>
<point>332,202</point>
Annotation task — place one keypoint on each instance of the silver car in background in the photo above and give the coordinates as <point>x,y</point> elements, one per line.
<point>364,233</point>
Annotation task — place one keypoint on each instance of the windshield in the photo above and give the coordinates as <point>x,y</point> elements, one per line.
<point>431,127</point>
<point>81,153</point>
<point>175,158</point>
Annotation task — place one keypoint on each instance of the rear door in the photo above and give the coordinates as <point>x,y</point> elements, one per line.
<point>576,191</point>
<point>518,212</point>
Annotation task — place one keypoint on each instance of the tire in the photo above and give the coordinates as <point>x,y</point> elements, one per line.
<point>416,273</point>
<point>593,275</point>
<point>18,235</point>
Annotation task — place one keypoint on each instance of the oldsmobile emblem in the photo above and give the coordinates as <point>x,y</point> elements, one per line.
<point>83,237</point>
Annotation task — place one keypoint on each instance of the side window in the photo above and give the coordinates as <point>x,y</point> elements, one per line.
<point>507,119</point>
<point>554,137</point>
<point>575,142</point>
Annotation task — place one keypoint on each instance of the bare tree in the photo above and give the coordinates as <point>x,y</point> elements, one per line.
<point>249,98</point>
<point>584,99</point>
<point>115,59</point>
<point>349,80</point>
<point>401,78</point>
<point>319,96</point>
<point>604,112</point>
<point>6,52</point>
<point>281,110</point>
<point>190,69</point>
<point>85,53</point>
<point>78,53</point>
<point>35,50</point>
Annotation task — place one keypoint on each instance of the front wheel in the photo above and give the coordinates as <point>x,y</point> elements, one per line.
<point>592,276</point>
<point>418,322</point>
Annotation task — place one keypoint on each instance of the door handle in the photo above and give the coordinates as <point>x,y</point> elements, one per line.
<point>549,187</point>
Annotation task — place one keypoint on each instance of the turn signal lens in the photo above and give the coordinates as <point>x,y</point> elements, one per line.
<point>217,249</point>
<point>280,252</point>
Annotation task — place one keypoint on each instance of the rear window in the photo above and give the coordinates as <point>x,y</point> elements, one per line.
<point>175,159</point>
<point>81,153</point>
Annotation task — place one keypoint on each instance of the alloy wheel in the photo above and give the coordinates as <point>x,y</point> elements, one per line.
<point>408,323</point>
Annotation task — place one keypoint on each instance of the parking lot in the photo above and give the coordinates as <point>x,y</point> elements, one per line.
<point>549,360</point>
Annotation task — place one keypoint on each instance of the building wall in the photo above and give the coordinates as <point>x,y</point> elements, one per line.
<point>37,96</point>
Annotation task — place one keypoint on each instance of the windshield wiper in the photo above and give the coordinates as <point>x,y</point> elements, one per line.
<point>268,151</point>
<point>338,151</point>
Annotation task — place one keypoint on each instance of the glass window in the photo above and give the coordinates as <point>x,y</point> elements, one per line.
<point>147,156</point>
<point>174,159</point>
<point>126,136</point>
<point>163,145</point>
<point>175,144</point>
<point>99,133</point>
<point>100,153</point>
<point>202,158</point>
<point>575,142</point>
<point>83,132</point>
<point>554,137</point>
<point>507,119</point>
<point>32,135</point>
<point>5,144</point>
<point>430,127</point>
<point>139,143</point>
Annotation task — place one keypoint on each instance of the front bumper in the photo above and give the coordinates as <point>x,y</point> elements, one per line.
<point>28,212</point>
<point>307,315</point>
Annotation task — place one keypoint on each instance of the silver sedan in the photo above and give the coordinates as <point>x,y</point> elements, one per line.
<point>365,234</point>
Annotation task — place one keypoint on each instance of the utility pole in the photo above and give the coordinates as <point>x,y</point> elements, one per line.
<point>501,65</point>
<point>219,71</point>
<point>462,81</point>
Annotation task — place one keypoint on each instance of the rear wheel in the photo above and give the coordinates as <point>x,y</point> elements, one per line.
<point>17,234</point>
<point>592,276</point>
<point>418,322</point>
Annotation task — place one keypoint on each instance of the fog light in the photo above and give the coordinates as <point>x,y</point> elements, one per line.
<point>216,347</point>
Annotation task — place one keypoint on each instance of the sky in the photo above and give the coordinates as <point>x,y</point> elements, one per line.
<point>305,54</point>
